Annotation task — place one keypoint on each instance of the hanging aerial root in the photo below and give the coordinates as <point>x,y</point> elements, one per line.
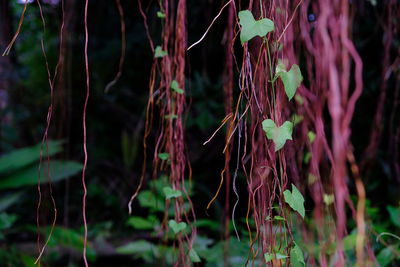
<point>21,21</point>
<point>360,218</point>
<point>209,27</point>
<point>45,142</point>
<point>84,135</point>
<point>123,48</point>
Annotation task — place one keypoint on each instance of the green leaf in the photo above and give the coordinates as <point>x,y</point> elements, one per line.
<point>28,261</point>
<point>386,256</point>
<point>291,79</point>
<point>171,193</point>
<point>296,256</point>
<point>68,238</point>
<point>329,199</point>
<point>307,157</point>
<point>278,134</point>
<point>149,200</point>
<point>163,156</point>
<point>295,200</point>
<point>349,242</point>
<point>140,223</point>
<point>7,220</point>
<point>177,227</point>
<point>311,179</point>
<point>159,53</point>
<point>59,170</point>
<point>23,157</point>
<point>394,213</point>
<point>280,256</point>
<point>136,247</point>
<point>279,218</point>
<point>311,136</point>
<point>171,116</point>
<point>206,223</point>
<point>268,257</point>
<point>160,15</point>
<point>252,28</point>
<point>299,99</point>
<point>176,88</point>
<point>194,257</point>
<point>296,119</point>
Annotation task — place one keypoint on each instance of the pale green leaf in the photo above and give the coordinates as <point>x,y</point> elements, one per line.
<point>295,200</point>
<point>311,136</point>
<point>163,156</point>
<point>299,99</point>
<point>194,257</point>
<point>176,88</point>
<point>279,135</point>
<point>279,218</point>
<point>159,53</point>
<point>171,193</point>
<point>296,256</point>
<point>252,28</point>
<point>280,256</point>
<point>280,68</point>
<point>329,199</point>
<point>177,227</point>
<point>296,119</point>
<point>268,257</point>
<point>161,15</point>
<point>291,79</point>
<point>171,116</point>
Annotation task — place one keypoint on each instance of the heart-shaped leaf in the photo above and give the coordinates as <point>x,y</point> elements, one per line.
<point>329,199</point>
<point>278,134</point>
<point>291,79</point>
<point>252,28</point>
<point>161,15</point>
<point>163,156</point>
<point>270,256</point>
<point>140,223</point>
<point>171,193</point>
<point>279,218</point>
<point>194,257</point>
<point>296,256</point>
<point>311,136</point>
<point>171,116</point>
<point>175,87</point>
<point>158,52</point>
<point>295,200</point>
<point>177,227</point>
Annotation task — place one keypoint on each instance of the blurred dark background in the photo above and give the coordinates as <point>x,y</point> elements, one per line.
<point>115,131</point>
